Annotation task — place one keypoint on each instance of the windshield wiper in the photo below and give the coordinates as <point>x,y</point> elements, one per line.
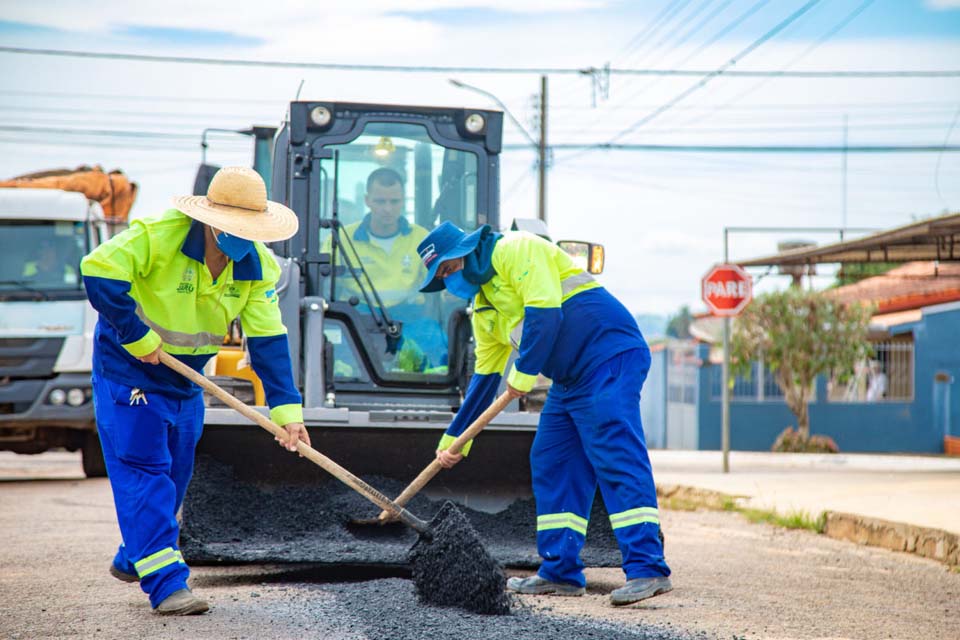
<point>25,285</point>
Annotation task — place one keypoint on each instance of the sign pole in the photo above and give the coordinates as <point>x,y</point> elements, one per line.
<point>725,377</point>
<point>726,289</point>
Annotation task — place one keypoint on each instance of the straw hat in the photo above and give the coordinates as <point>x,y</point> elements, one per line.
<point>236,202</point>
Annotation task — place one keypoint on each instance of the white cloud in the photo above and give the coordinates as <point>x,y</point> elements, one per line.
<point>943,5</point>
<point>252,18</point>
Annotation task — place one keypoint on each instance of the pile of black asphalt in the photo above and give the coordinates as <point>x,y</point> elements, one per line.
<point>388,608</point>
<point>226,520</point>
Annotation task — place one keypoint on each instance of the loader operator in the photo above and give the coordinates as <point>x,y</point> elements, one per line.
<point>385,244</point>
<point>175,282</point>
<point>527,290</point>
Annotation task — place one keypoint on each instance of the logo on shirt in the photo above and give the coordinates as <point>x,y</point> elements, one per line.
<point>406,263</point>
<point>185,287</point>
<point>232,292</point>
<point>188,274</point>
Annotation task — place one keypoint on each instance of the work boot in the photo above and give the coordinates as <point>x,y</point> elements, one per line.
<point>123,576</point>
<point>182,603</point>
<point>539,586</point>
<point>640,589</point>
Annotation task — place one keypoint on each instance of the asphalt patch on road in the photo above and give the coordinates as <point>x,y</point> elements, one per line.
<point>389,609</point>
<point>231,521</point>
<point>451,568</point>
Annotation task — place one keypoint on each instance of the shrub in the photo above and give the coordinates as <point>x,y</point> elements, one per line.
<point>791,440</point>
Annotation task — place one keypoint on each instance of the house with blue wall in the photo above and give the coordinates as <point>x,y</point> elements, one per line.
<point>907,399</point>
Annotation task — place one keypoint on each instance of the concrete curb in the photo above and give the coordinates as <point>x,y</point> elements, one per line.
<point>935,544</point>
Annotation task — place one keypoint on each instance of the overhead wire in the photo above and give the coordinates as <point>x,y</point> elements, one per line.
<point>645,51</point>
<point>330,66</point>
<point>717,72</point>
<point>846,20</point>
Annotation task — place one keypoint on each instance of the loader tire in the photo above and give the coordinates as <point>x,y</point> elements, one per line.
<point>92,456</point>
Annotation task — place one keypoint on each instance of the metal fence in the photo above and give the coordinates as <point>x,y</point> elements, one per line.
<point>760,386</point>
<point>887,376</point>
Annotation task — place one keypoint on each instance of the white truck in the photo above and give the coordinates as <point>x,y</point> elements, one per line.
<point>46,322</point>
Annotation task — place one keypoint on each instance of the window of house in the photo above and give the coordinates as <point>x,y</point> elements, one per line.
<point>886,376</point>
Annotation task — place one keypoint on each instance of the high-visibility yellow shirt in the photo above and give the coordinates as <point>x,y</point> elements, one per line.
<point>151,286</point>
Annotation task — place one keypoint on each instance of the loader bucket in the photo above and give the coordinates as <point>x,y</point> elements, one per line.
<point>250,501</point>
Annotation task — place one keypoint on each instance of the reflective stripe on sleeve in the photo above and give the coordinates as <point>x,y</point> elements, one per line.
<point>564,520</point>
<point>157,561</point>
<point>569,284</point>
<point>180,338</point>
<point>634,516</point>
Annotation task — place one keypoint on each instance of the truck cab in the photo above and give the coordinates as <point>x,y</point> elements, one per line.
<point>46,323</point>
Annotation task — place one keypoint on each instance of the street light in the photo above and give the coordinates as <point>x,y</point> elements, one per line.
<point>540,145</point>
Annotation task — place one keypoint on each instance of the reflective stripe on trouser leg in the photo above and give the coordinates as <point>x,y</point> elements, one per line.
<point>141,453</point>
<point>563,485</point>
<point>634,516</point>
<point>606,410</point>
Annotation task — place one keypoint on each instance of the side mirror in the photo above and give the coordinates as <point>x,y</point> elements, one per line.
<point>586,255</point>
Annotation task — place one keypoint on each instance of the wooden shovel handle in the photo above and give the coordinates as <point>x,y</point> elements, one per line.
<point>434,467</point>
<point>304,449</point>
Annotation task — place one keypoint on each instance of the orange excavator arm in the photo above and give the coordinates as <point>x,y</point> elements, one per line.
<point>114,191</point>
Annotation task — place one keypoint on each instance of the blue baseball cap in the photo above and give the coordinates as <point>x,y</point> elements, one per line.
<point>446,242</point>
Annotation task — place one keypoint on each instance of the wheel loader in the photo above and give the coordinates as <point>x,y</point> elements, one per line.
<point>380,380</point>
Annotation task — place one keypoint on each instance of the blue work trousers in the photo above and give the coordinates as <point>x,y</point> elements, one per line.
<point>148,446</point>
<point>590,432</point>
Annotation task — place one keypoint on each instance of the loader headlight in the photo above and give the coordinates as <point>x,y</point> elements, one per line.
<point>57,396</point>
<point>320,116</point>
<point>76,397</point>
<point>475,123</point>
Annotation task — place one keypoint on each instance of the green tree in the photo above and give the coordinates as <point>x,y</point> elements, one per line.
<point>799,335</point>
<point>678,326</point>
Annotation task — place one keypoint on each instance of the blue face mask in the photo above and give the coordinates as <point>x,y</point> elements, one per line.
<point>458,286</point>
<point>233,247</point>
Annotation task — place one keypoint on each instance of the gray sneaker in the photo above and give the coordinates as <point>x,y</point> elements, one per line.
<point>182,603</point>
<point>537,585</point>
<point>123,576</point>
<point>640,589</point>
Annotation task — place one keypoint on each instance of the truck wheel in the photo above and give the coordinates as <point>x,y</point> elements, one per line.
<point>93,464</point>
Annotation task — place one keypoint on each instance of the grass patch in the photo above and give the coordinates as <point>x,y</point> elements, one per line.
<point>680,504</point>
<point>792,520</point>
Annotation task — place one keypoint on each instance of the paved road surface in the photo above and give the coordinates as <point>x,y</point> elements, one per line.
<point>732,579</point>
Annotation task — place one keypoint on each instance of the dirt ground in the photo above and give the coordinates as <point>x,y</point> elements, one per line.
<point>732,579</point>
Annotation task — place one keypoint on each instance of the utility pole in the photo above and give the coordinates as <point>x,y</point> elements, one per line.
<point>542,153</point>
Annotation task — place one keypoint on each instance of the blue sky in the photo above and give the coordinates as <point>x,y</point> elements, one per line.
<point>661,215</point>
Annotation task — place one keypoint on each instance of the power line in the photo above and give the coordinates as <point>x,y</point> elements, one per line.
<point>693,30</point>
<point>612,146</point>
<point>331,66</point>
<point>717,72</point>
<point>824,38</point>
<point>607,146</point>
<point>664,16</point>
<point>681,22</point>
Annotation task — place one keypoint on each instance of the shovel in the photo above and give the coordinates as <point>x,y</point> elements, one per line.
<point>305,450</point>
<point>434,467</point>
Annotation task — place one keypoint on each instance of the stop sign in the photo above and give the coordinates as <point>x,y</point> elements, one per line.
<point>727,289</point>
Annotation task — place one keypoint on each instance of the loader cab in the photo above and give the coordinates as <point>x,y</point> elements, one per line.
<point>368,182</point>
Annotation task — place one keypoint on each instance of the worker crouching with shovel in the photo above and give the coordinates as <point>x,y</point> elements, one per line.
<point>174,283</point>
<point>528,294</point>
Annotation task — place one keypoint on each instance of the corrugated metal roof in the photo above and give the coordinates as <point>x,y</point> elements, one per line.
<point>932,239</point>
